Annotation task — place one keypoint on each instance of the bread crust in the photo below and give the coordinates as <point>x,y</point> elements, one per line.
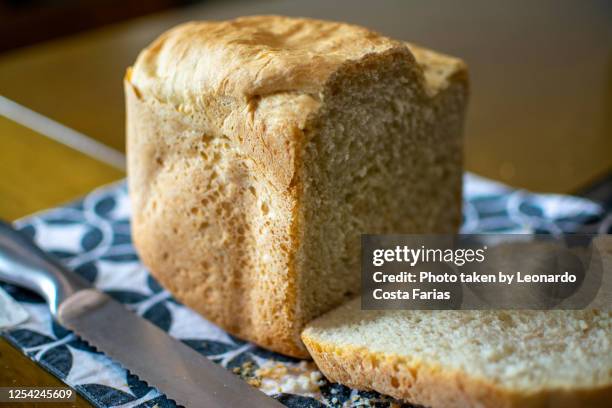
<point>181,248</point>
<point>435,386</point>
<point>249,56</point>
<point>246,90</point>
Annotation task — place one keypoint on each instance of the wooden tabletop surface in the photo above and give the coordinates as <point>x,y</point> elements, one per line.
<point>540,114</point>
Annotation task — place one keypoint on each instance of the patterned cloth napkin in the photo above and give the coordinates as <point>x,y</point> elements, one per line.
<point>92,237</point>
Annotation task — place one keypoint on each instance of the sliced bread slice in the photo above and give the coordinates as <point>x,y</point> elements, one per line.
<point>469,358</point>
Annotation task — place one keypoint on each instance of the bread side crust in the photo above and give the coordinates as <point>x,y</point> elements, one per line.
<point>176,263</point>
<point>435,386</point>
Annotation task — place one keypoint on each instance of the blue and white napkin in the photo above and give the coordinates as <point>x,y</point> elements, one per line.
<point>92,237</point>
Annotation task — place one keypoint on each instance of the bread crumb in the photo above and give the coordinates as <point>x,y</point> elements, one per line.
<point>302,378</point>
<point>247,372</point>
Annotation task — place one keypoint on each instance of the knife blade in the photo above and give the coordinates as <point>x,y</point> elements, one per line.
<point>184,375</point>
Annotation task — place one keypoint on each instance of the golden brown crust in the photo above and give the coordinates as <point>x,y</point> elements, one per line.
<point>436,386</point>
<point>216,118</point>
<point>263,55</point>
<point>248,56</point>
<point>439,70</point>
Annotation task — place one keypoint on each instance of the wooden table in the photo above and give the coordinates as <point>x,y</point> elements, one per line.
<point>540,115</point>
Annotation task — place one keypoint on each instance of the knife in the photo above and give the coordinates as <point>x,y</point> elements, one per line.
<point>177,370</point>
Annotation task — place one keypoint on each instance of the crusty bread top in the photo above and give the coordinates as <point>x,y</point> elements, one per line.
<point>258,80</point>
<point>263,55</point>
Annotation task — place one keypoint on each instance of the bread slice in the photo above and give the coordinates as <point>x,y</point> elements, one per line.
<point>496,359</point>
<point>259,149</point>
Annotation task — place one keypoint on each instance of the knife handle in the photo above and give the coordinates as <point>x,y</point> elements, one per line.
<point>24,264</point>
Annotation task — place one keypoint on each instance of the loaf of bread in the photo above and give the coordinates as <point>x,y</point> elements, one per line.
<point>452,359</point>
<point>259,149</point>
